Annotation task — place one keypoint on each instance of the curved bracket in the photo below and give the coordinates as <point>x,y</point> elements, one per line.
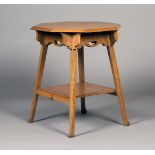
<point>77,40</point>
<point>113,36</point>
<point>72,41</point>
<point>45,38</point>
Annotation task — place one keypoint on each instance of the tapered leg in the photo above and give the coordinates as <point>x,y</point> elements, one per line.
<point>115,73</point>
<point>73,66</point>
<point>38,80</point>
<point>81,76</point>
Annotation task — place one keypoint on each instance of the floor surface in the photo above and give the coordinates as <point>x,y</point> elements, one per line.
<point>100,129</point>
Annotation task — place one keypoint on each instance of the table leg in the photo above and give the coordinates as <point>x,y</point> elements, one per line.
<point>116,78</point>
<point>38,80</point>
<point>81,76</point>
<point>73,68</point>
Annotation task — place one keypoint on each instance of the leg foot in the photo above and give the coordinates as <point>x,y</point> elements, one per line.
<point>71,120</point>
<point>126,124</point>
<point>70,136</point>
<point>83,106</point>
<point>84,111</point>
<point>33,110</point>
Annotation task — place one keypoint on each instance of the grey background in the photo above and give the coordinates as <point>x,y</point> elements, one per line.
<point>18,63</point>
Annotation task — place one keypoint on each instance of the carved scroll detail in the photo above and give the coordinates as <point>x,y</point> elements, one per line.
<point>46,38</point>
<point>74,41</point>
<point>94,39</point>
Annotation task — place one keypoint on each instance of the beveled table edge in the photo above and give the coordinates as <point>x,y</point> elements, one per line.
<point>45,29</point>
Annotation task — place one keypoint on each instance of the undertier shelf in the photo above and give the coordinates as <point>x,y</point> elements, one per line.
<point>61,92</point>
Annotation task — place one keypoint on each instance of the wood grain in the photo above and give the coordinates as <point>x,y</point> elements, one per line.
<point>38,80</point>
<point>77,27</point>
<point>72,92</point>
<point>82,90</point>
<point>76,35</point>
<point>115,72</point>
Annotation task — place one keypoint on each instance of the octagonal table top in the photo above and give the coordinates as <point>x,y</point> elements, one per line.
<point>76,27</point>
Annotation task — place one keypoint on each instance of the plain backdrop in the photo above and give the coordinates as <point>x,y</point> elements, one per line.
<point>101,128</point>
<point>19,51</point>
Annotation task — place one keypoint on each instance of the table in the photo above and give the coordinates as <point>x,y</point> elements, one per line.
<point>76,35</point>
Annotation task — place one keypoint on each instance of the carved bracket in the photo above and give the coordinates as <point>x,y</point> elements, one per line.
<point>46,38</point>
<point>74,41</point>
<point>94,39</point>
<point>113,37</point>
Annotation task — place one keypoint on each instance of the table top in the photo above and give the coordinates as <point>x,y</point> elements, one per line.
<point>76,27</point>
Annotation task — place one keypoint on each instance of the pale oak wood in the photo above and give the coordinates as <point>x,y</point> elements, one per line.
<point>71,40</point>
<point>75,27</point>
<point>76,40</point>
<point>72,92</point>
<point>115,72</point>
<point>82,90</point>
<point>75,35</point>
<point>46,92</point>
<point>81,76</point>
<point>41,64</point>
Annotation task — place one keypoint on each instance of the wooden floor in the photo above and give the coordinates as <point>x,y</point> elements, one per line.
<point>82,89</point>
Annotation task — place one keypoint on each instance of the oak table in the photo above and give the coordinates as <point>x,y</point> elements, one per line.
<point>76,35</point>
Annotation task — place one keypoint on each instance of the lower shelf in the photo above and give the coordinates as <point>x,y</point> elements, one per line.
<point>82,89</point>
